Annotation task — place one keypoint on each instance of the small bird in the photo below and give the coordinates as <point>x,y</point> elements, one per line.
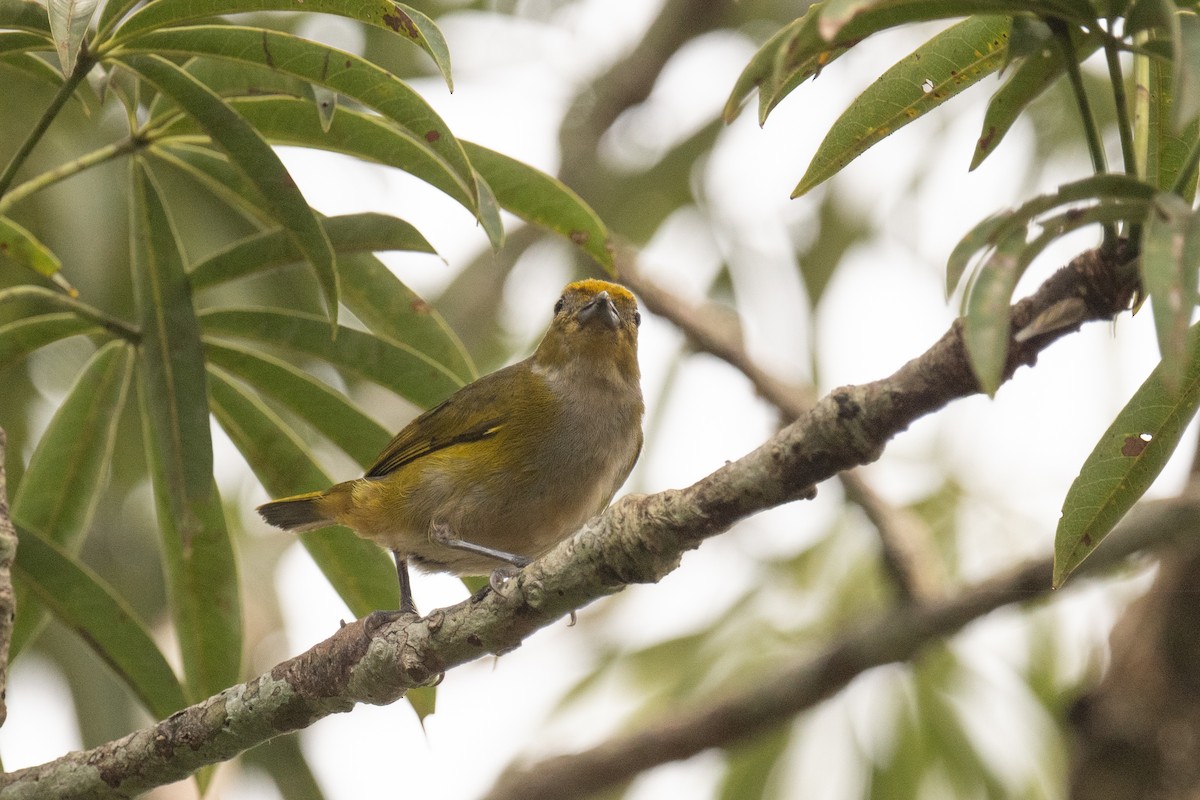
<point>510,464</point>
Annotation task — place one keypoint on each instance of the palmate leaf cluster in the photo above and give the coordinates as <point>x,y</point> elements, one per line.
<point>204,101</point>
<point>204,98</point>
<point>1145,208</point>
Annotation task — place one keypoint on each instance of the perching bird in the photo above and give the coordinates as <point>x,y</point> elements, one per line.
<point>510,464</point>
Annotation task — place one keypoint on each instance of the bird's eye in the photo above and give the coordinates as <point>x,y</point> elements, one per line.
<point>637,318</point>
<point>559,305</point>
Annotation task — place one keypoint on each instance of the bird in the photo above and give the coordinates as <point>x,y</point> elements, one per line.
<point>510,464</point>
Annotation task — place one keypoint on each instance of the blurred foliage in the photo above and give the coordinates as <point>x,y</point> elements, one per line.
<point>147,185</point>
<point>161,158</point>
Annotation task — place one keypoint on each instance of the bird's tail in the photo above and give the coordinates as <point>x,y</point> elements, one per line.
<point>300,513</point>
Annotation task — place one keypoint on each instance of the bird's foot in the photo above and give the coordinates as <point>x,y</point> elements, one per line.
<point>378,619</point>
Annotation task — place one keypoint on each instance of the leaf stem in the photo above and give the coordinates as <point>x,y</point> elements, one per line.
<point>1091,131</point>
<point>73,167</point>
<point>82,67</point>
<point>77,307</point>
<point>1141,111</point>
<point>1124,125</point>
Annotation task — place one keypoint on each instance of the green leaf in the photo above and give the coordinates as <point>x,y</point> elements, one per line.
<point>211,169</point>
<point>358,570</point>
<point>326,102</point>
<point>112,12</point>
<point>827,30</point>
<point>1170,270</point>
<point>422,30</point>
<point>396,17</point>
<point>23,248</point>
<point>347,74</point>
<point>1167,149</point>
<point>255,158</point>
<point>12,42</point>
<point>760,72</point>
<point>23,336</point>
<point>230,80</point>
<point>69,20</point>
<point>284,761</point>
<point>489,213</point>
<point>1116,189</point>
<point>1028,36</point>
<point>933,73</point>
<point>836,15</point>
<point>370,290</point>
<point>33,300</point>
<point>1147,15</point>
<point>423,700</point>
<point>543,200</point>
<point>1126,460</point>
<point>200,566</point>
<point>39,69</point>
<point>1186,92</point>
<point>24,15</point>
<point>1036,72</point>
<point>391,364</point>
<point>352,233</point>
<point>328,411</point>
<point>87,605</point>
<point>69,467</point>
<point>390,309</point>
<point>292,121</point>
<point>68,471</point>
<point>986,327</point>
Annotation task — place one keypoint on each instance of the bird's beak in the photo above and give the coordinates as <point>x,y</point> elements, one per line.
<point>600,307</point>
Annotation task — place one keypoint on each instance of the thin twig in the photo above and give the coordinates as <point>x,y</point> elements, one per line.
<point>1091,130</point>
<point>1116,79</point>
<point>82,67</point>
<point>70,168</point>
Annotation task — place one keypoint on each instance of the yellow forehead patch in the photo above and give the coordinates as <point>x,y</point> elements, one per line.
<point>593,286</point>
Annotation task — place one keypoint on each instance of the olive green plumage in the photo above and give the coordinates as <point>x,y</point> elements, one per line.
<point>510,464</point>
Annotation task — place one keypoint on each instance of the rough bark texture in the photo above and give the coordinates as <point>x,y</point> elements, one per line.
<point>8,601</point>
<point>775,699</point>
<point>638,540</point>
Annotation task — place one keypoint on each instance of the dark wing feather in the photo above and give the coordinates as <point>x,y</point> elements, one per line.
<point>468,415</point>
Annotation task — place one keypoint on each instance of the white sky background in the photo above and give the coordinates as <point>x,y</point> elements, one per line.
<point>1018,453</point>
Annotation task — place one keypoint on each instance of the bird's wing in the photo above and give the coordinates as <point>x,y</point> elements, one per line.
<point>468,415</point>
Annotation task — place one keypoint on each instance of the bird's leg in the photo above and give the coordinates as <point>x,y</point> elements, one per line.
<point>377,619</point>
<point>441,534</point>
<point>407,605</point>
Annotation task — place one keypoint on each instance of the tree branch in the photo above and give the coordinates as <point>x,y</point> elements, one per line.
<point>906,550</point>
<point>637,540</point>
<point>1134,732</point>
<point>8,601</point>
<point>897,635</point>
